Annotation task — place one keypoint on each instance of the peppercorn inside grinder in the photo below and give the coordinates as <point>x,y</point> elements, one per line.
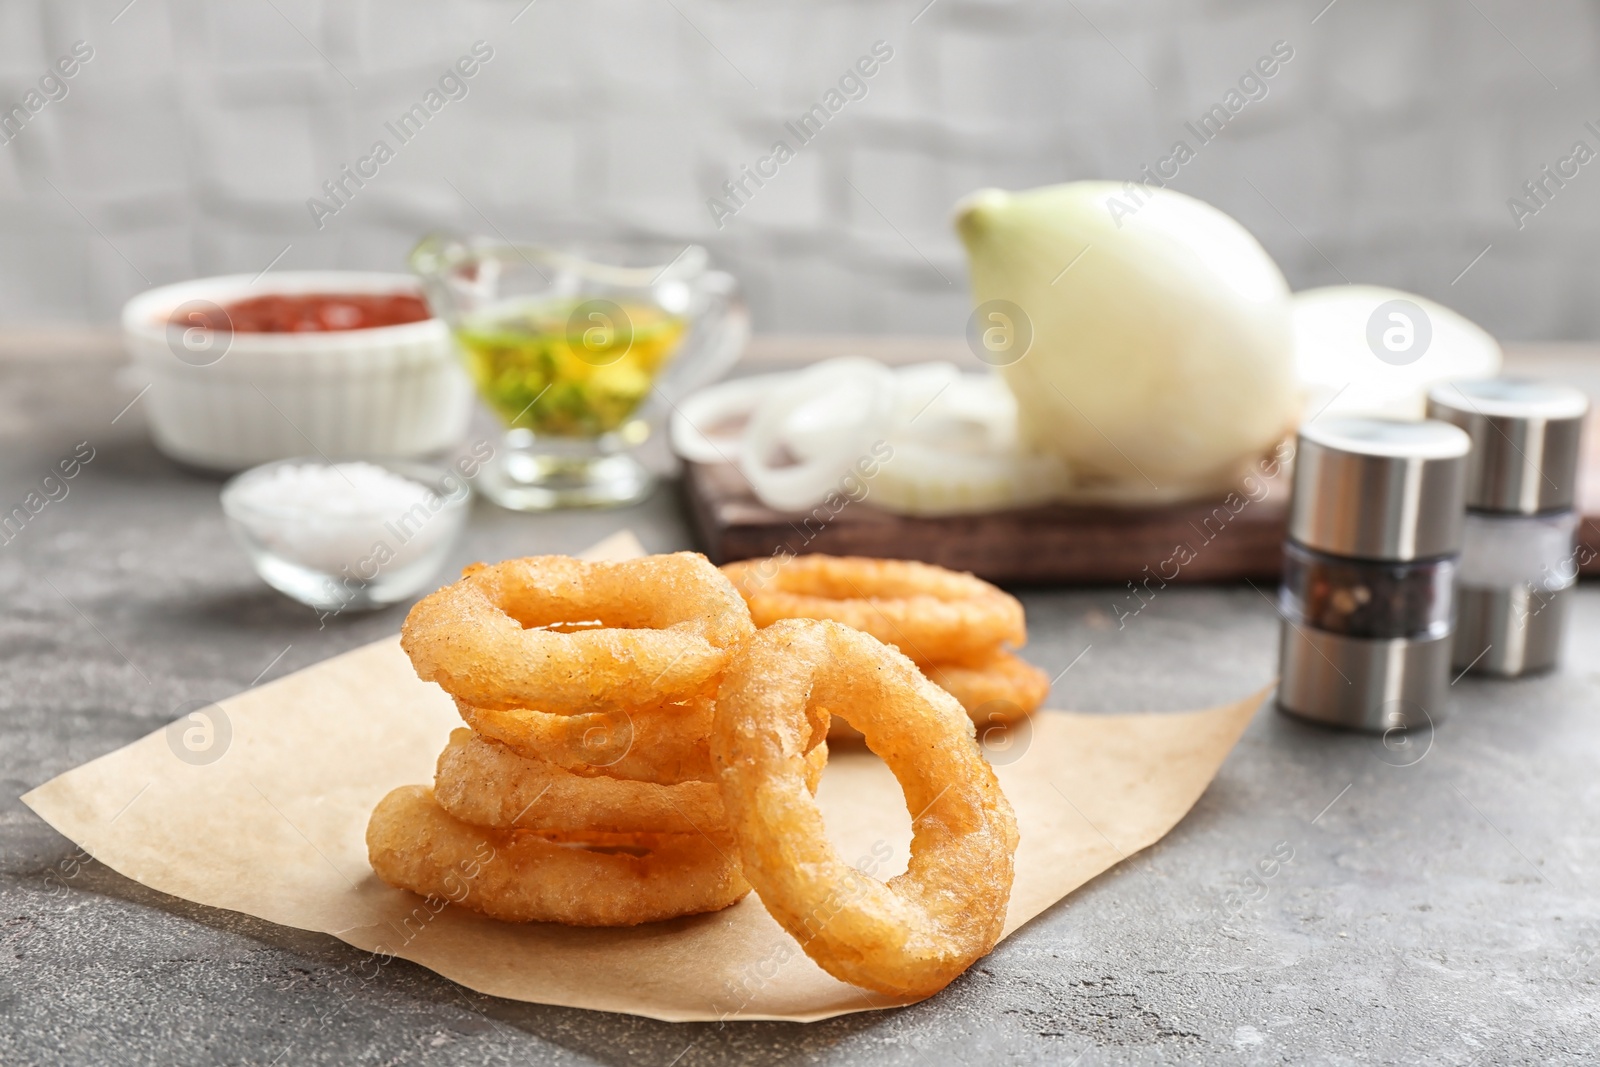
<point>1518,557</point>
<point>1375,518</point>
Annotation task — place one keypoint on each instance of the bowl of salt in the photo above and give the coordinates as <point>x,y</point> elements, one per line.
<point>347,536</point>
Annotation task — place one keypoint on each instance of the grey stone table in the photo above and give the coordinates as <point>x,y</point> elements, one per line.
<point>1427,902</point>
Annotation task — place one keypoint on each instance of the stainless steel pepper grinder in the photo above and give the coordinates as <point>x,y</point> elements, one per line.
<point>1518,557</point>
<point>1375,520</point>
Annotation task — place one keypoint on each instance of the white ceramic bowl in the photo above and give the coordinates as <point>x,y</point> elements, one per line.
<point>227,402</point>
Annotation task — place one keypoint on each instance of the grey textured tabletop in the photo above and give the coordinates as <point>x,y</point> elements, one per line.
<point>1437,904</point>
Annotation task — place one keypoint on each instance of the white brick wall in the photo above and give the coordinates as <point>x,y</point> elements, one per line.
<point>1384,151</point>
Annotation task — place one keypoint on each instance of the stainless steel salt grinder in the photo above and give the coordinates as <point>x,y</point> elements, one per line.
<point>1375,518</point>
<point>1518,554</point>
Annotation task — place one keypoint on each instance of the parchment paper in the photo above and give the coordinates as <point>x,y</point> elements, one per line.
<point>274,827</point>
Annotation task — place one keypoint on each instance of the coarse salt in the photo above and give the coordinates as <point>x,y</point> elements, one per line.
<point>340,489</point>
<point>331,517</point>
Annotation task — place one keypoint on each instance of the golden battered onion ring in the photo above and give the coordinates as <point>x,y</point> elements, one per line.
<point>997,690</point>
<point>929,613</point>
<point>999,678</point>
<point>665,745</point>
<point>908,937</point>
<point>415,844</point>
<point>487,784</point>
<point>666,624</point>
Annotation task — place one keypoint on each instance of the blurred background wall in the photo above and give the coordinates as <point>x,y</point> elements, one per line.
<point>1384,150</point>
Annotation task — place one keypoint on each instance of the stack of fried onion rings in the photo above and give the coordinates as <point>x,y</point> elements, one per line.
<point>911,935</point>
<point>954,626</point>
<point>637,750</point>
<point>583,792</point>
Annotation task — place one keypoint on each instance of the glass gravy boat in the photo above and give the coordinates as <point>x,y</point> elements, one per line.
<point>577,350</point>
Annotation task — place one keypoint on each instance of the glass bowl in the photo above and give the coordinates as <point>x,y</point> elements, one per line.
<point>577,349</point>
<point>349,536</point>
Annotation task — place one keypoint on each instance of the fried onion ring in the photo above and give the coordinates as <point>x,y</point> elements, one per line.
<point>414,844</point>
<point>503,636</point>
<point>908,937</point>
<point>997,690</point>
<point>999,678</point>
<point>487,784</point>
<point>929,613</point>
<point>664,746</point>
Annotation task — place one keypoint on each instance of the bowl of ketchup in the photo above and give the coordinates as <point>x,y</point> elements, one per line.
<point>246,369</point>
<point>308,313</point>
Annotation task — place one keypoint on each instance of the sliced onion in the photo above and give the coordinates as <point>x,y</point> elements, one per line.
<point>707,425</point>
<point>970,412</point>
<point>921,479</point>
<point>954,437</point>
<point>826,418</point>
<point>956,449</point>
<point>919,386</point>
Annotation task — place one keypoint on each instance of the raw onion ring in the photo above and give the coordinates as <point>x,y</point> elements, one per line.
<point>908,937</point>
<point>517,876</point>
<point>666,625</point>
<point>827,418</point>
<point>487,784</point>
<point>698,419</point>
<point>929,613</point>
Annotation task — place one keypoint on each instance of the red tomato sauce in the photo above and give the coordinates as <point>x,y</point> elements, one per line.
<point>310,313</point>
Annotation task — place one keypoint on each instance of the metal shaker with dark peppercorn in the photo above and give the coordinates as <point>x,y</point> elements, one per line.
<point>1375,521</point>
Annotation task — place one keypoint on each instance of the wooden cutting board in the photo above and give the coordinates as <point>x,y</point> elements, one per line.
<point>1050,545</point>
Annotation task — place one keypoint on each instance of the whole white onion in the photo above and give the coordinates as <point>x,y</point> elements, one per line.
<point>1161,359</point>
